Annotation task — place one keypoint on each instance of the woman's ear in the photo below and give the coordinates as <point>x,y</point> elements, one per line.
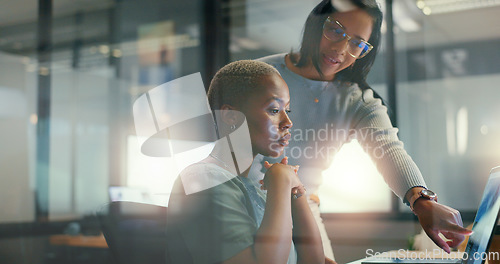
<point>229,115</point>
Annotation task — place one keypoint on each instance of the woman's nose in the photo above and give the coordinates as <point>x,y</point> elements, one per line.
<point>341,46</point>
<point>286,123</point>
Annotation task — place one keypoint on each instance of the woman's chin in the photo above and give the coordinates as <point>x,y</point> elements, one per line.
<point>275,153</point>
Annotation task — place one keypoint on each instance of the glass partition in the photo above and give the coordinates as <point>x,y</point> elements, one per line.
<point>106,54</point>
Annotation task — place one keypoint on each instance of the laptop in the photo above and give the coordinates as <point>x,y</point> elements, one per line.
<point>483,227</point>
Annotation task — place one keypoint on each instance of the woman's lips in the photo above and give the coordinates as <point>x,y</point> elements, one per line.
<point>284,140</point>
<point>331,60</point>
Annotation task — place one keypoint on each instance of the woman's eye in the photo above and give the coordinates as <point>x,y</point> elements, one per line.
<point>356,43</point>
<point>288,111</point>
<point>338,31</point>
<point>274,111</point>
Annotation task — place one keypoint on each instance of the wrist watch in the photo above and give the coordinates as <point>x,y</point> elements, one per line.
<point>424,193</point>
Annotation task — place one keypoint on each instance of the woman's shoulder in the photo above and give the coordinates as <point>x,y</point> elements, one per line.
<point>354,91</point>
<point>347,92</point>
<point>203,168</point>
<point>201,176</point>
<point>274,60</point>
<point>348,87</point>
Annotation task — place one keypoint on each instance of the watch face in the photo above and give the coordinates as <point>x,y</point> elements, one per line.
<point>428,193</point>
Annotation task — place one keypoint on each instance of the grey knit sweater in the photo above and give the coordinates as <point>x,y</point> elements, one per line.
<point>326,115</point>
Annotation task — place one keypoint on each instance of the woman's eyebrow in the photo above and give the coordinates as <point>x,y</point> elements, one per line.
<point>277,99</point>
<point>356,36</point>
<point>359,37</point>
<point>274,98</point>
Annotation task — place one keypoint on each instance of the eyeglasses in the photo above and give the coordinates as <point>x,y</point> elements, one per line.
<point>335,32</point>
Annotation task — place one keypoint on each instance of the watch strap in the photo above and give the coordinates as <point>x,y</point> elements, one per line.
<point>417,196</point>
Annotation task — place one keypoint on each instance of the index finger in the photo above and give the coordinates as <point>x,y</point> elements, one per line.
<point>454,228</point>
<point>434,236</point>
<point>453,239</point>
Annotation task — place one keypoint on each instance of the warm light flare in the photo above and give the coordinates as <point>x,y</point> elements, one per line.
<point>353,184</point>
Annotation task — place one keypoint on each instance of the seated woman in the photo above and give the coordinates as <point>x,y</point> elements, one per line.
<point>234,222</point>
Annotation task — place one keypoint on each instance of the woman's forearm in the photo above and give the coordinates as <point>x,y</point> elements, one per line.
<point>306,236</point>
<point>274,236</point>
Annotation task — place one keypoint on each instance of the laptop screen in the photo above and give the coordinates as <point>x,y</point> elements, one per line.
<point>485,221</point>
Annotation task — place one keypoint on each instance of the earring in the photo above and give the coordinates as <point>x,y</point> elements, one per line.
<point>233,127</point>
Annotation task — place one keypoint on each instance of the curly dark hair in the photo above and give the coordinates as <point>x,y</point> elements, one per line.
<point>233,83</point>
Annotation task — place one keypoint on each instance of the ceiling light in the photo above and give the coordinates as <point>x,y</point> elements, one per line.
<point>420,4</point>
<point>448,6</point>
<point>404,18</point>
<point>427,10</point>
<point>117,53</point>
<point>104,49</point>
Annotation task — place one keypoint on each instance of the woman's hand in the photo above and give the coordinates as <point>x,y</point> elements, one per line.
<point>297,187</point>
<point>436,218</point>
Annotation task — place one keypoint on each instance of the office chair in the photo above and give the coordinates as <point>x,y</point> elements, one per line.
<point>135,232</point>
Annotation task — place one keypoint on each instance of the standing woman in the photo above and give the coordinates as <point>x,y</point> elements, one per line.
<point>328,90</point>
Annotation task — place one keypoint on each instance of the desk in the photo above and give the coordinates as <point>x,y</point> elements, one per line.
<point>494,247</point>
<point>409,254</point>
<point>79,241</point>
<point>80,249</point>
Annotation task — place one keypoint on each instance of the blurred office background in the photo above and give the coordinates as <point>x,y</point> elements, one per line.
<point>71,70</point>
